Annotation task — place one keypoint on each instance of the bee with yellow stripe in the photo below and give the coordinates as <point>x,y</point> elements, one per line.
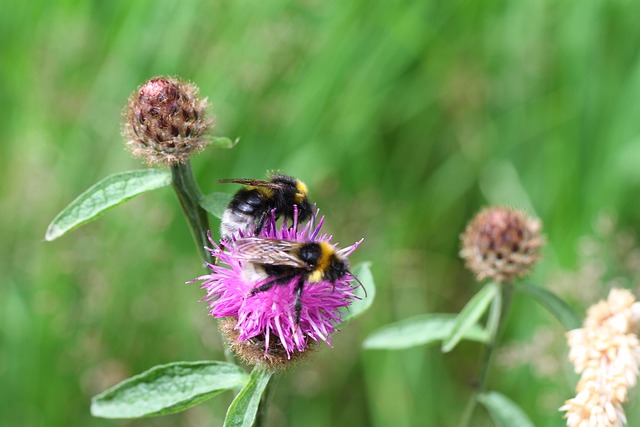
<point>272,262</point>
<point>250,206</point>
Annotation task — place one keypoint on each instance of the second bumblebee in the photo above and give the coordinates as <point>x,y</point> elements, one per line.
<point>250,206</point>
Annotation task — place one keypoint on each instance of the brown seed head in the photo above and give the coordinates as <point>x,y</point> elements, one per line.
<point>501,244</point>
<point>252,351</point>
<point>165,121</point>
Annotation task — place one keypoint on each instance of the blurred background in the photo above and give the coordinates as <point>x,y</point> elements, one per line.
<point>404,118</point>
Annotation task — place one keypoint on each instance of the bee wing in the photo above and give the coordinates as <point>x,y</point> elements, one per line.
<point>253,182</point>
<point>257,250</point>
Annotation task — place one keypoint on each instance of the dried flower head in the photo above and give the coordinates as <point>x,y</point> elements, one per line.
<point>252,351</point>
<point>165,121</point>
<point>606,351</point>
<point>262,327</point>
<point>501,244</point>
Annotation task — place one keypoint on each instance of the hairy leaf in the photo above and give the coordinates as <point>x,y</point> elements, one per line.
<point>224,142</point>
<point>361,271</point>
<point>166,389</point>
<point>216,203</point>
<point>503,411</point>
<point>106,194</point>
<point>242,411</point>
<point>470,314</point>
<point>419,330</point>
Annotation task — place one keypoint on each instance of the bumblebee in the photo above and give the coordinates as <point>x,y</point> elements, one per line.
<point>248,210</point>
<point>278,262</point>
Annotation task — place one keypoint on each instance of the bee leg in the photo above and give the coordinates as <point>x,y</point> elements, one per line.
<point>277,280</point>
<point>216,260</point>
<point>223,247</point>
<point>264,287</point>
<point>297,305</point>
<point>260,224</point>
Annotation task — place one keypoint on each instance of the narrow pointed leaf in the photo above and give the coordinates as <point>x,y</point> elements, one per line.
<point>470,314</point>
<point>503,411</point>
<point>216,203</point>
<point>363,272</point>
<point>166,389</point>
<point>224,142</point>
<point>106,194</point>
<point>242,411</point>
<point>556,306</point>
<point>419,330</point>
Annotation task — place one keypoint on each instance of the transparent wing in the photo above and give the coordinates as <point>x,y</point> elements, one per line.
<point>253,182</point>
<point>257,250</point>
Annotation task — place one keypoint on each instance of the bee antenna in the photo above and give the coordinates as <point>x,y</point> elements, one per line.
<point>359,282</point>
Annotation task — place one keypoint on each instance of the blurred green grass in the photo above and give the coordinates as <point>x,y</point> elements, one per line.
<point>404,118</point>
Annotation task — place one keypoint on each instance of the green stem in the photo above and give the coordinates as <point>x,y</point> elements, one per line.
<point>487,357</point>
<point>189,194</point>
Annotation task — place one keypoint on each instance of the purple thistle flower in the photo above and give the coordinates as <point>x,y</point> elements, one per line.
<point>267,318</point>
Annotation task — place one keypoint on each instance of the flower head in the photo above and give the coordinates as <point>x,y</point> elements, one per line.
<point>165,121</point>
<point>606,351</point>
<point>501,244</point>
<point>264,327</point>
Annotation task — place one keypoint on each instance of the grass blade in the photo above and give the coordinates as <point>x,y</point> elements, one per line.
<point>556,306</point>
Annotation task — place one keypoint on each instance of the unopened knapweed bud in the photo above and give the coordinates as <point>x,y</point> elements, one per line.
<point>165,121</point>
<point>501,244</point>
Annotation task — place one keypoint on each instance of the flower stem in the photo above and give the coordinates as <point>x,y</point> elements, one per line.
<point>189,194</point>
<point>487,357</point>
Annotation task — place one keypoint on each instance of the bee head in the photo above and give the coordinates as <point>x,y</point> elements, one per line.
<point>312,254</point>
<point>304,208</point>
<point>293,193</point>
<point>301,200</point>
<point>337,269</point>
<point>323,261</point>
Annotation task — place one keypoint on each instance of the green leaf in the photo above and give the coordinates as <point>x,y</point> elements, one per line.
<point>419,330</point>
<point>216,203</point>
<point>242,411</point>
<point>166,389</point>
<point>470,314</point>
<point>556,306</point>
<point>106,194</point>
<point>224,142</point>
<point>363,272</point>
<point>503,411</point>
